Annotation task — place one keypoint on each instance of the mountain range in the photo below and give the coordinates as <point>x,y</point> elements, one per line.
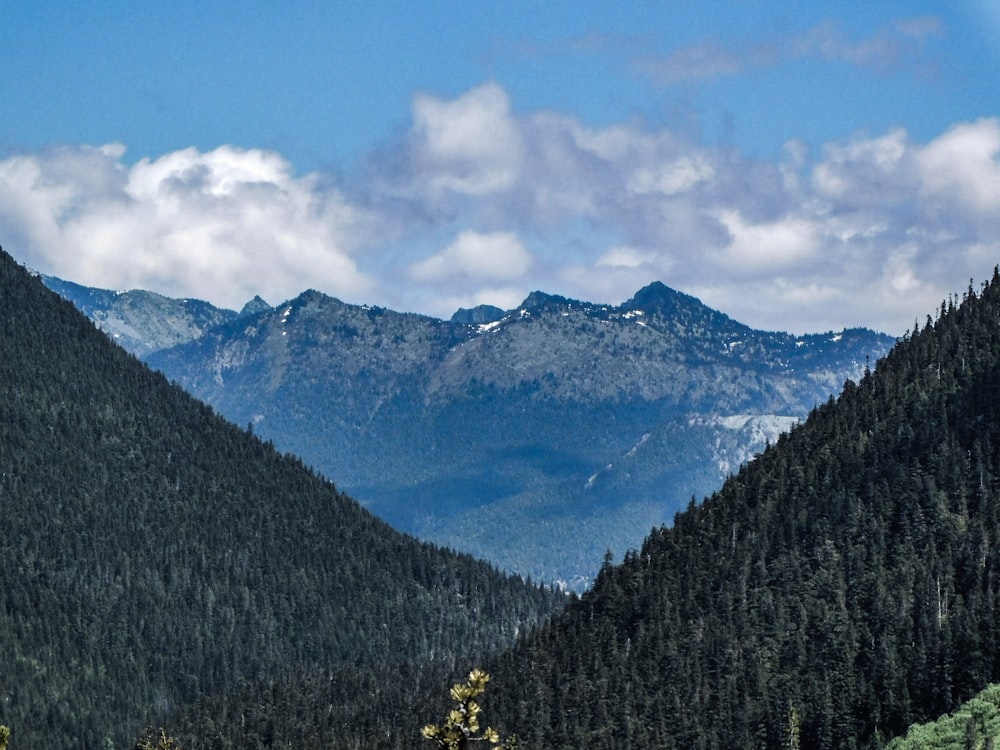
<point>162,564</point>
<point>537,438</point>
<point>838,589</point>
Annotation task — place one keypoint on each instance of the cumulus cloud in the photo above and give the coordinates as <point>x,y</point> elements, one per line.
<point>962,168</point>
<point>624,256</point>
<point>222,225</point>
<point>767,248</point>
<point>475,204</point>
<point>864,232</point>
<point>859,169</point>
<point>499,256</point>
<point>470,145</point>
<point>450,299</point>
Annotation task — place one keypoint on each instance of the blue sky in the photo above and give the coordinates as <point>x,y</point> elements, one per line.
<point>803,166</point>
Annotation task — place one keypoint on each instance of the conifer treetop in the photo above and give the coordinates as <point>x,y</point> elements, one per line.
<point>461,726</point>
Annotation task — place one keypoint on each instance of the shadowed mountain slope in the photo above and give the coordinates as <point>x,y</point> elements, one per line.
<point>154,553</point>
<point>846,582</point>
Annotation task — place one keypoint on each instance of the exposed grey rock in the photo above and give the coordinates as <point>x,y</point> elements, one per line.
<point>142,322</point>
<point>254,306</point>
<point>477,315</point>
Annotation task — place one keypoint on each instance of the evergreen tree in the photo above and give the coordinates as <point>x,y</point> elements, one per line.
<point>153,739</point>
<point>462,724</point>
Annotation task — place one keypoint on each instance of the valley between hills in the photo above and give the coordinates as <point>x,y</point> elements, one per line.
<point>164,566</point>
<point>537,438</point>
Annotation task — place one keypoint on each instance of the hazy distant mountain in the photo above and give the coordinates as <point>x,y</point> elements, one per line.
<point>144,322</point>
<point>537,439</point>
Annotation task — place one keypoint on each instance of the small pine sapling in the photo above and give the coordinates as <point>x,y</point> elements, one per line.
<point>153,740</point>
<point>461,727</point>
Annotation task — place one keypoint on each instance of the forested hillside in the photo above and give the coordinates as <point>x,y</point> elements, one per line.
<point>841,587</point>
<point>850,575</point>
<point>154,553</point>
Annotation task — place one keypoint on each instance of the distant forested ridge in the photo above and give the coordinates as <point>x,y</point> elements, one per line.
<point>154,553</point>
<point>536,438</point>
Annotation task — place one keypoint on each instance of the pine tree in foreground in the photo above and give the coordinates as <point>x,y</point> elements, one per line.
<point>461,727</point>
<point>154,740</point>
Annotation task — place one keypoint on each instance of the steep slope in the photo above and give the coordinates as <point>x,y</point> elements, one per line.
<point>845,583</point>
<point>154,553</point>
<point>538,439</point>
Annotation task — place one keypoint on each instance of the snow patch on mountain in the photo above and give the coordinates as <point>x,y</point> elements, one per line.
<point>749,434</point>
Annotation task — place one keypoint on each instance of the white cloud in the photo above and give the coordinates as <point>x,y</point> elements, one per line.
<point>623,256</point>
<point>766,248</point>
<point>672,178</point>
<point>470,145</point>
<point>504,297</point>
<point>962,167</point>
<point>871,230</point>
<point>222,225</point>
<point>863,162</point>
<point>481,257</point>
<point>706,60</point>
<point>887,48</point>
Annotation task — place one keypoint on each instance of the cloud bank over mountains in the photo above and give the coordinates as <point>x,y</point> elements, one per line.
<point>475,202</point>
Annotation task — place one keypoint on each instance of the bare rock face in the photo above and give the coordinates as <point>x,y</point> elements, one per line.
<point>145,322</point>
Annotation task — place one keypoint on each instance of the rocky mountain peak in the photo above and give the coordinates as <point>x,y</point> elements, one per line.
<point>477,315</point>
<point>683,310</point>
<point>311,295</point>
<point>254,306</point>
<point>658,297</point>
<point>539,301</point>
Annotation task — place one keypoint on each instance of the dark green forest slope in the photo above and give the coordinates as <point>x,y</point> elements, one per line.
<point>841,587</point>
<point>851,573</point>
<point>153,553</point>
